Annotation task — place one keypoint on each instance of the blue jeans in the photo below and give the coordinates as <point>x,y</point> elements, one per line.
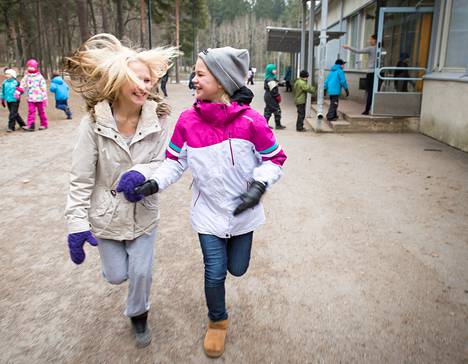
<point>63,105</point>
<point>220,256</point>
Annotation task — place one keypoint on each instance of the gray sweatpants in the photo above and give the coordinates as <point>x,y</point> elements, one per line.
<point>132,260</point>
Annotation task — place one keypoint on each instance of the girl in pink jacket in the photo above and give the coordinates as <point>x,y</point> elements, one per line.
<point>234,157</point>
<point>35,85</point>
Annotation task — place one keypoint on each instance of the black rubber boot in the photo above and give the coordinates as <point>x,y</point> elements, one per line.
<point>141,330</point>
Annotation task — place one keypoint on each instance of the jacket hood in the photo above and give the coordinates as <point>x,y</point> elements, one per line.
<point>335,67</point>
<point>219,113</point>
<point>243,96</point>
<point>58,80</point>
<point>269,71</point>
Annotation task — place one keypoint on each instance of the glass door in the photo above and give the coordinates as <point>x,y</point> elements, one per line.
<point>403,43</point>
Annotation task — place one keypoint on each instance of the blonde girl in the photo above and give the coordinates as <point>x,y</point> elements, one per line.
<point>125,128</point>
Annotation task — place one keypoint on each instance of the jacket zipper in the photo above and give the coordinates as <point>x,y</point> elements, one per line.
<point>199,192</point>
<point>230,147</point>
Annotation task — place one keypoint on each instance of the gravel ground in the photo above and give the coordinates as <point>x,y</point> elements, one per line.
<point>363,258</point>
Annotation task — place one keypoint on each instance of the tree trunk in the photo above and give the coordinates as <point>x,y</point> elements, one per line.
<point>68,33</point>
<point>93,17</point>
<point>142,23</point>
<point>105,19</point>
<point>177,7</point>
<point>120,20</point>
<point>40,44</point>
<point>82,10</point>
<point>12,50</point>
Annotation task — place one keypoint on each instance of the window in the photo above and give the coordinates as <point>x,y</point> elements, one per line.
<point>369,29</point>
<point>353,40</point>
<point>457,52</point>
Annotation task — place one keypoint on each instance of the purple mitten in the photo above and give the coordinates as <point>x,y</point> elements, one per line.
<point>76,242</point>
<point>127,184</point>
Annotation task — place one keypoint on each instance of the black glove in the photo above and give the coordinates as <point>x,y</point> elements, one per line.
<point>148,188</point>
<point>347,92</point>
<point>251,198</point>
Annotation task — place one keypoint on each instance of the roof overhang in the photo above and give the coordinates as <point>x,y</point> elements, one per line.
<point>289,39</point>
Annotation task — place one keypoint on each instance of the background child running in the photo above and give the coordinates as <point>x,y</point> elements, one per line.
<point>9,98</point>
<point>35,84</point>
<point>61,90</point>
<point>125,126</point>
<point>233,157</point>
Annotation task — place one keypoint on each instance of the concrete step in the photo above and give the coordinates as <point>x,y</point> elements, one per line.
<point>349,122</point>
<point>341,126</point>
<point>321,127</point>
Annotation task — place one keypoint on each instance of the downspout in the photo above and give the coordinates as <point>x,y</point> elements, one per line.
<point>310,63</point>
<point>322,62</point>
<point>303,34</point>
<point>341,26</point>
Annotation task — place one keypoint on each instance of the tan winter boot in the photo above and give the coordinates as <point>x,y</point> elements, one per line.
<point>214,339</point>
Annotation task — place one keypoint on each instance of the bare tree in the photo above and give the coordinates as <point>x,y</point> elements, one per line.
<point>82,10</point>
<point>93,17</point>
<point>177,12</point>
<point>105,19</point>
<point>120,19</point>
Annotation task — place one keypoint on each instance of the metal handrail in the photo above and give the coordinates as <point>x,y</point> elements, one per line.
<point>401,78</point>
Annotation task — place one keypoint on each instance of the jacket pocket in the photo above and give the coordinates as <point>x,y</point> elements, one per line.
<point>102,211</point>
<point>146,213</point>
<point>100,203</point>
<point>151,202</point>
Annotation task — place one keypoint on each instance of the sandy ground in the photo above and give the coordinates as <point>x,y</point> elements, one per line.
<point>364,258</point>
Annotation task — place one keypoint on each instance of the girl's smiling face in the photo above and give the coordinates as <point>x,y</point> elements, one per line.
<point>207,86</point>
<point>132,92</point>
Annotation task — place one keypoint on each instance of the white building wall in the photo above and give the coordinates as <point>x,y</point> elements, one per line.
<point>334,10</point>
<point>443,113</point>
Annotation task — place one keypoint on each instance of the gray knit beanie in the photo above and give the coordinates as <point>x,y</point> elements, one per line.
<point>228,65</point>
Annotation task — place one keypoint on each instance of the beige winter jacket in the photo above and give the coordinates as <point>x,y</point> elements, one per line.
<point>100,158</point>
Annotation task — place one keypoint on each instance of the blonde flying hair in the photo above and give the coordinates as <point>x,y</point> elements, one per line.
<point>99,68</point>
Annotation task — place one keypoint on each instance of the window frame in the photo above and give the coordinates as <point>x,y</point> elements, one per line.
<point>442,47</point>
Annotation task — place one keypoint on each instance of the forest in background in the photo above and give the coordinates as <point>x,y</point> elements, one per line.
<point>49,30</point>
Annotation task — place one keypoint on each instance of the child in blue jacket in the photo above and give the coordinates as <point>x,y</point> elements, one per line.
<point>61,90</point>
<point>335,81</point>
<point>10,99</point>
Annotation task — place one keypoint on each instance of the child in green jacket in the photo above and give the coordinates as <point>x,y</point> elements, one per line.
<point>301,88</point>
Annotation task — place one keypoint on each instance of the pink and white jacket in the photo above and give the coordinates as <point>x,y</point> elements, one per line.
<point>226,147</point>
<point>36,85</point>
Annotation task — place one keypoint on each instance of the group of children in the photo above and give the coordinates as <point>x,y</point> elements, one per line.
<point>34,85</point>
<point>334,83</point>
